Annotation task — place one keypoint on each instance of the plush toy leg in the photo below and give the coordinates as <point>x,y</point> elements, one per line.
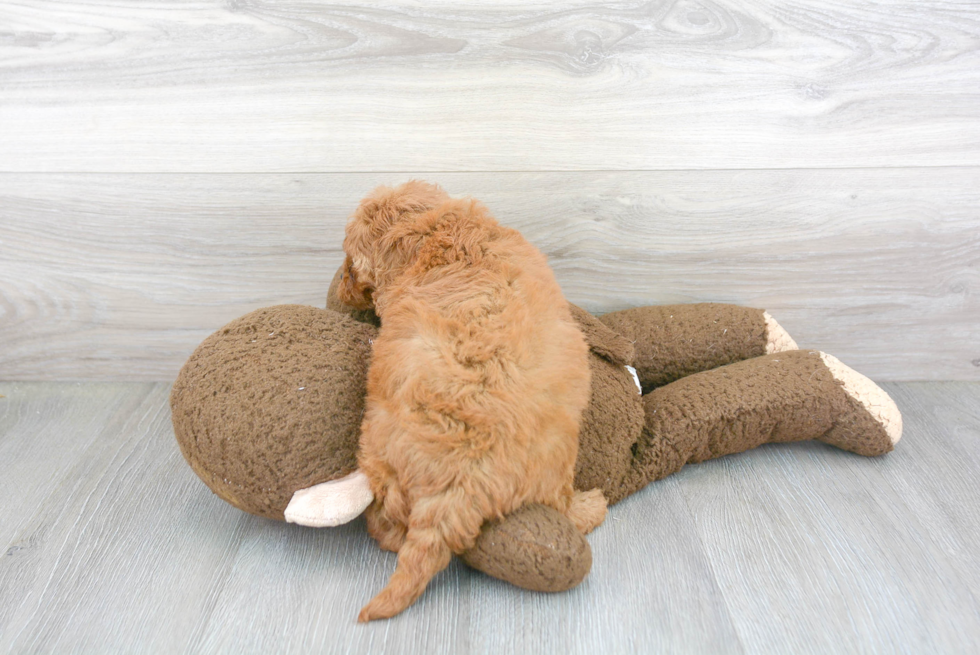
<point>673,341</point>
<point>789,396</point>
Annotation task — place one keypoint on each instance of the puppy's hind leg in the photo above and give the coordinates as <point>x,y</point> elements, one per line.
<point>388,532</point>
<point>587,510</point>
<point>438,526</point>
<point>387,516</point>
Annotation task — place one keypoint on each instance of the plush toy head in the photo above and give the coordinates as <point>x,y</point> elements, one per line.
<point>272,403</point>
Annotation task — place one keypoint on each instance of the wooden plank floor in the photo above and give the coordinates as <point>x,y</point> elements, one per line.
<point>111,544</point>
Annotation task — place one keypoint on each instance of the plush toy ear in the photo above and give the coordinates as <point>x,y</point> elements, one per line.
<point>330,503</point>
<point>612,347</point>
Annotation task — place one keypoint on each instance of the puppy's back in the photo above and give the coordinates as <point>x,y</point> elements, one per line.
<point>476,389</point>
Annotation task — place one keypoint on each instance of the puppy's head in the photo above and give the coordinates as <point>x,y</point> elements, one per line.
<point>371,243</point>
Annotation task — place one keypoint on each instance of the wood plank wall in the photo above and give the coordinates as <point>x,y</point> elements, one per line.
<point>167,167</point>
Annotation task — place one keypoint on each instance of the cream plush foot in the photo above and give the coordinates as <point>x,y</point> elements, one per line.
<point>331,503</point>
<point>868,395</point>
<point>777,338</point>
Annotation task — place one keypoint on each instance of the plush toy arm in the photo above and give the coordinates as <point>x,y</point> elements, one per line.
<point>612,347</point>
<point>676,340</point>
<point>790,396</point>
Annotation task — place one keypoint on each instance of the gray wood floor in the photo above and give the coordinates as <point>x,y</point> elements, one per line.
<point>111,544</point>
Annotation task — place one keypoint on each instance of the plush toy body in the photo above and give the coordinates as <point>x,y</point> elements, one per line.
<point>267,412</point>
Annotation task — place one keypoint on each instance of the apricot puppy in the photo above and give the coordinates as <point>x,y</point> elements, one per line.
<point>477,381</point>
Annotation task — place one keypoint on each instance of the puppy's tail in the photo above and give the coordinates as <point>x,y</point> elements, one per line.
<point>424,553</point>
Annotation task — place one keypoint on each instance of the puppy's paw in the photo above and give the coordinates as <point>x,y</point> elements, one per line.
<point>587,510</point>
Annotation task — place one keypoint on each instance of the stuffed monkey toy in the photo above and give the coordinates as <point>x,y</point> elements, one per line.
<point>267,412</point>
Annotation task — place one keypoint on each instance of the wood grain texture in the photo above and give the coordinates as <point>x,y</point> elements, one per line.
<point>31,421</point>
<point>115,546</point>
<point>121,276</point>
<point>257,86</point>
<point>117,556</point>
<point>800,522</point>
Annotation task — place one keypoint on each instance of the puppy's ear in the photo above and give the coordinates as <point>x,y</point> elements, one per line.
<point>405,236</point>
<point>352,291</point>
<point>377,214</point>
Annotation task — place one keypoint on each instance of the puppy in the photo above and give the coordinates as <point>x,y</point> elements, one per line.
<point>476,386</point>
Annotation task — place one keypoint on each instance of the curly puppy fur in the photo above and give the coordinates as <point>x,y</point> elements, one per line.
<point>477,381</point>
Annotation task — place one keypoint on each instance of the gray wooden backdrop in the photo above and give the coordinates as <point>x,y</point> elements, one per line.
<point>168,166</point>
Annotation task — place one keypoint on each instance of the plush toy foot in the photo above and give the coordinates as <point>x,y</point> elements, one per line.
<point>777,338</point>
<point>867,400</point>
<point>331,503</point>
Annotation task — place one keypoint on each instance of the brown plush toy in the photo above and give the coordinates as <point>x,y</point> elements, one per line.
<point>267,412</point>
